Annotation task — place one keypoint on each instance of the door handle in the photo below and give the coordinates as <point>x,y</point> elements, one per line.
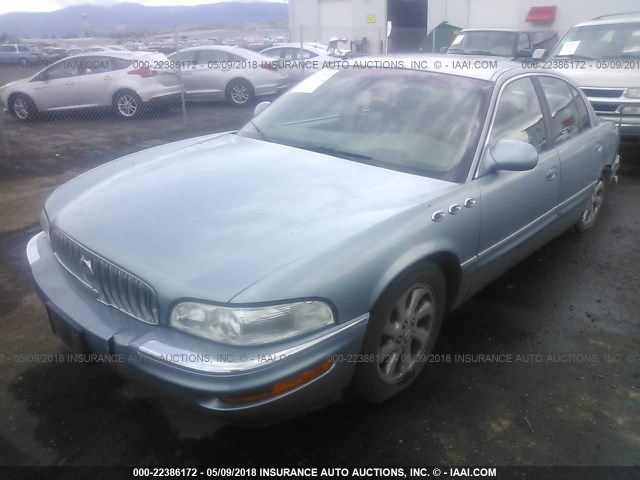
<point>552,173</point>
<point>108,77</point>
<point>599,148</point>
<point>69,83</point>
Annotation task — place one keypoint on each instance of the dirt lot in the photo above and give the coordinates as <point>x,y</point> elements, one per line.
<point>569,313</point>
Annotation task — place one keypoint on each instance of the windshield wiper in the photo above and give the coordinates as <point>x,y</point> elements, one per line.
<point>334,152</point>
<point>484,52</point>
<point>259,130</point>
<point>577,57</point>
<point>621,56</point>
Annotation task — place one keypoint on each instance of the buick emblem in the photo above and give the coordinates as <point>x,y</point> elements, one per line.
<point>87,269</point>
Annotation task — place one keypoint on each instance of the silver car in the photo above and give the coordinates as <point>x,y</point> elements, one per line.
<point>232,73</point>
<point>602,56</point>
<point>125,81</point>
<point>259,273</point>
<point>301,61</point>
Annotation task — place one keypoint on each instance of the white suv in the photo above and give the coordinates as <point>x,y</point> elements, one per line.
<point>602,56</point>
<point>127,81</point>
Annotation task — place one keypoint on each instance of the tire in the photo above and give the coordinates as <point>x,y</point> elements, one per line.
<point>22,107</point>
<point>592,211</point>
<point>127,104</point>
<point>403,328</point>
<point>240,93</point>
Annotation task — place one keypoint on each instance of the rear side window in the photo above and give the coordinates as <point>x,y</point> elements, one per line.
<point>22,48</point>
<point>584,119</point>
<point>275,53</point>
<point>565,123</point>
<point>519,116</point>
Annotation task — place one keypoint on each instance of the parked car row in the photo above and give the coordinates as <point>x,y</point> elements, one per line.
<point>19,54</point>
<point>96,77</point>
<point>601,56</point>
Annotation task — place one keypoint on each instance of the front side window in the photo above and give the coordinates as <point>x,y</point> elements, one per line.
<point>565,123</point>
<point>413,121</point>
<point>64,69</point>
<point>523,42</point>
<point>519,116</point>
<point>601,42</point>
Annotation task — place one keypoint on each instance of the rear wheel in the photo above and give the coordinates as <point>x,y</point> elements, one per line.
<point>22,107</point>
<point>403,329</point>
<point>592,211</point>
<point>127,104</point>
<point>240,93</point>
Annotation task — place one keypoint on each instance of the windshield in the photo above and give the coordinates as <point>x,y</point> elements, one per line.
<point>597,42</point>
<point>484,43</point>
<point>413,121</point>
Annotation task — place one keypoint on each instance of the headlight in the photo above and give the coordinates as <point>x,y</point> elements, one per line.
<point>251,326</point>
<point>44,221</point>
<point>632,93</point>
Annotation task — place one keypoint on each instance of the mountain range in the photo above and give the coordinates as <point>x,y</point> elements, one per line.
<point>135,18</point>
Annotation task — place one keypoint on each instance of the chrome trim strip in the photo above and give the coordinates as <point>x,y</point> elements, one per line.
<point>33,255</point>
<point>179,357</point>
<point>517,232</point>
<point>466,263</point>
<point>575,195</point>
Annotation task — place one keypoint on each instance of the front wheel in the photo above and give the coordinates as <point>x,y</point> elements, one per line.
<point>240,93</point>
<point>592,211</point>
<point>22,107</point>
<point>403,329</point>
<point>127,104</point>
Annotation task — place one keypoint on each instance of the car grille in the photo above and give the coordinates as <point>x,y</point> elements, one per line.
<point>603,92</point>
<point>605,107</point>
<point>114,286</point>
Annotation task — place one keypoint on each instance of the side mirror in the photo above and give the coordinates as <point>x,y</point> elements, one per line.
<point>444,49</point>
<point>260,108</point>
<point>538,53</point>
<point>44,76</point>
<point>512,155</point>
<point>524,54</point>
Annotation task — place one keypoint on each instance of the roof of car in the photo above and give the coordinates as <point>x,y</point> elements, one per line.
<point>508,30</point>
<point>227,48</point>
<point>448,63</point>
<point>612,19</point>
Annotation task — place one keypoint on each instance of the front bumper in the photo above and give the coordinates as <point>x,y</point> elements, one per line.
<point>194,371</point>
<point>628,126</point>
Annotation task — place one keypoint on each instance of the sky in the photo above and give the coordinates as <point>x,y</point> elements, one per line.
<point>7,6</point>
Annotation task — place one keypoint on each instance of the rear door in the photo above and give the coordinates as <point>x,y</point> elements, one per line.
<point>579,145</point>
<point>94,85</point>
<point>517,207</point>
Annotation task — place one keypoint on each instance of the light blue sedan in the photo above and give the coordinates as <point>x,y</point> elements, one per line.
<point>259,274</point>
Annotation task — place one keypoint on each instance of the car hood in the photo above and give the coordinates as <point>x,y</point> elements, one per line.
<point>209,219</point>
<point>607,78</point>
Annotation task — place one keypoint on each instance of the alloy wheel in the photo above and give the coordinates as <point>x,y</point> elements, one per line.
<point>406,333</point>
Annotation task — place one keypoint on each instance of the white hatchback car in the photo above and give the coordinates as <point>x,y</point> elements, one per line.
<point>127,81</point>
<point>232,73</point>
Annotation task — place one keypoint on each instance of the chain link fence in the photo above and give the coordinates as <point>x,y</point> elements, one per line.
<point>74,107</point>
